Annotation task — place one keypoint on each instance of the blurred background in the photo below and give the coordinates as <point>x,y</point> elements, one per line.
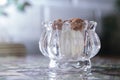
<point>20,23</point>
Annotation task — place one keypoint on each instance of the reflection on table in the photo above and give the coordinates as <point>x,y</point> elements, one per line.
<point>35,68</point>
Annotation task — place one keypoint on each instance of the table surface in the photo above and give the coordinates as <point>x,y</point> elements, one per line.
<point>35,68</point>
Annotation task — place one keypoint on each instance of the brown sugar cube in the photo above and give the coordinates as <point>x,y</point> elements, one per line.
<point>76,24</point>
<point>57,24</point>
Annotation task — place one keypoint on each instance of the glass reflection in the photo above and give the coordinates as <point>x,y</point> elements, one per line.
<point>55,76</point>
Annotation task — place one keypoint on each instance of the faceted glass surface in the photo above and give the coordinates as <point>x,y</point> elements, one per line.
<point>69,49</point>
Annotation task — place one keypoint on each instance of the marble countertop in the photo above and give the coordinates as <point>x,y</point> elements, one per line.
<point>35,68</point>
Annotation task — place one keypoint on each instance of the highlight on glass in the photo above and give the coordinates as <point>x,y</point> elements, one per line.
<point>69,44</point>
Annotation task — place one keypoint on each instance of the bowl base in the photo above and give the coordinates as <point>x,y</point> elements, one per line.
<point>70,67</point>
